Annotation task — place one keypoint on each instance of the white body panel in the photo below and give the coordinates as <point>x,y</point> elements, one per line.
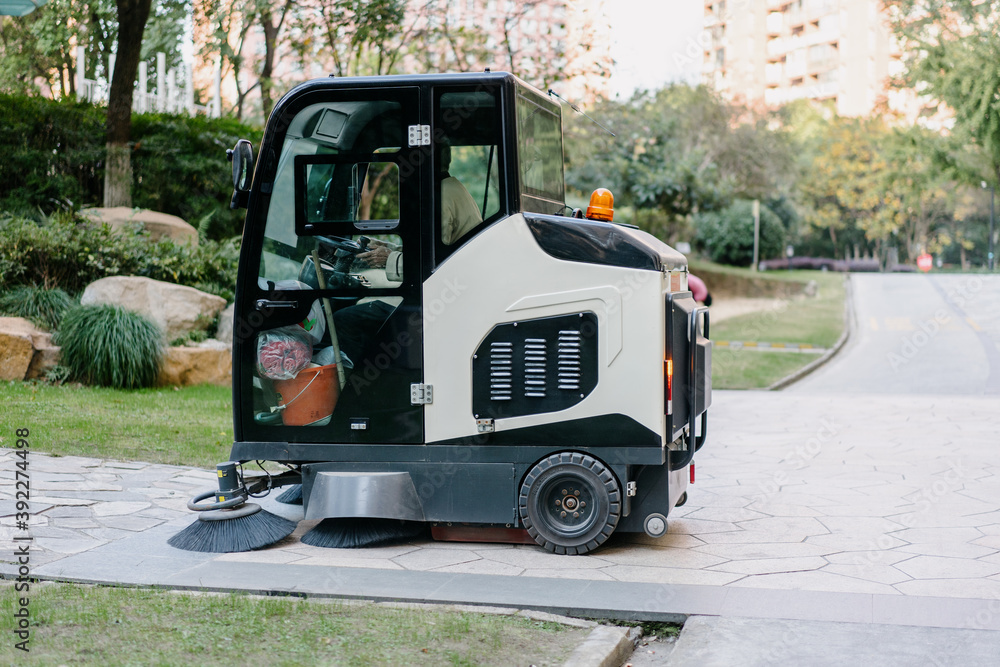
<point>502,276</point>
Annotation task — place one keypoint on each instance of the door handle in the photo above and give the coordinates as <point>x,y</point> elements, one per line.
<point>266,304</point>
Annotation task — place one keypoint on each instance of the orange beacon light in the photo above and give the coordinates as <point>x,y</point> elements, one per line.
<point>602,205</point>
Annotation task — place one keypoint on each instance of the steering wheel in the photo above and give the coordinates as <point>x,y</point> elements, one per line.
<point>337,274</point>
<point>342,243</point>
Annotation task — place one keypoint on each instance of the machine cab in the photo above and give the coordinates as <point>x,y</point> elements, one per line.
<point>362,189</point>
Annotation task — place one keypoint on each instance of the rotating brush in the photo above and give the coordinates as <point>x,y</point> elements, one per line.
<point>230,524</point>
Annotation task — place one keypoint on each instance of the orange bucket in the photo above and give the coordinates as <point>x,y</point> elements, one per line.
<point>309,397</point>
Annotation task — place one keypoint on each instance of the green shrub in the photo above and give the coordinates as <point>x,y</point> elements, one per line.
<point>53,153</point>
<point>179,167</point>
<point>54,160</point>
<point>110,347</point>
<point>726,236</point>
<point>44,307</point>
<point>71,252</point>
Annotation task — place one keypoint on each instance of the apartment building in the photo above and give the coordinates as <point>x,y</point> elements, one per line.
<point>776,51</point>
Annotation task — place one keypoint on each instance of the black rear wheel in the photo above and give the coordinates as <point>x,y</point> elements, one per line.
<point>570,503</point>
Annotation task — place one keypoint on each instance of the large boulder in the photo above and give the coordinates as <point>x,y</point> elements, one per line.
<point>159,225</point>
<point>224,332</point>
<point>209,362</point>
<point>176,309</point>
<point>26,352</point>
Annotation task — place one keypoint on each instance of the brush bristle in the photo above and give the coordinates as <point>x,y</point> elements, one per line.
<point>243,534</point>
<point>292,496</point>
<point>354,533</point>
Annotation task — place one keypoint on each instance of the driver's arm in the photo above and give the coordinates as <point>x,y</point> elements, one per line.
<point>388,255</point>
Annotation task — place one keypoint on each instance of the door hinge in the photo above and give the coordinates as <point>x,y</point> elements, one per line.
<point>630,489</point>
<point>485,426</point>
<point>421,394</point>
<point>418,135</point>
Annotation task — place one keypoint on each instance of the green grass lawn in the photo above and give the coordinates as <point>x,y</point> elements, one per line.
<point>818,321</point>
<point>120,626</point>
<point>742,369</point>
<point>186,426</point>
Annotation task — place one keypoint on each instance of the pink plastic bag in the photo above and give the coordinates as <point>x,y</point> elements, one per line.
<point>283,352</point>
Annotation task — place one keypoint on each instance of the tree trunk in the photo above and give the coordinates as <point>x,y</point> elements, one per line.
<point>132,17</point>
<point>271,29</point>
<point>368,191</point>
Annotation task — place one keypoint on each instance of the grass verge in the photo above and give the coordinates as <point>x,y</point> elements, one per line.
<point>817,321</point>
<point>121,626</point>
<point>742,369</point>
<point>184,426</point>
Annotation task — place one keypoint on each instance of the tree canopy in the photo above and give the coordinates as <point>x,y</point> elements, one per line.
<point>953,55</point>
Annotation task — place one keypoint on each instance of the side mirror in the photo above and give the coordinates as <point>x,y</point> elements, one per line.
<point>241,155</point>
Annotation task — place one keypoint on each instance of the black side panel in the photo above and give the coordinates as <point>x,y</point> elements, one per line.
<point>678,310</point>
<point>535,366</point>
<point>605,243</point>
<point>703,367</point>
<point>473,449</point>
<point>603,431</point>
<point>652,485</point>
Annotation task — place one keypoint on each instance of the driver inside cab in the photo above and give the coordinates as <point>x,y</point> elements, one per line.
<point>459,215</point>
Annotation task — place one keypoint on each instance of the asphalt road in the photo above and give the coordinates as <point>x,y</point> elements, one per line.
<point>936,334</point>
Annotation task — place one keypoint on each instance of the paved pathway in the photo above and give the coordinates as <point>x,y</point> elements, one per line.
<point>914,334</point>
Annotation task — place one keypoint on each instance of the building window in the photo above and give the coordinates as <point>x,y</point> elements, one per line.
<point>720,58</point>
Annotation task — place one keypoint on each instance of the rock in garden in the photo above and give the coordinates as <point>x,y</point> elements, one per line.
<point>209,362</point>
<point>176,309</point>
<point>26,352</point>
<point>224,332</point>
<point>159,225</point>
<point>46,357</point>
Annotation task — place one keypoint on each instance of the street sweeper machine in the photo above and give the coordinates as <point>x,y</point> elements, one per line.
<point>428,338</point>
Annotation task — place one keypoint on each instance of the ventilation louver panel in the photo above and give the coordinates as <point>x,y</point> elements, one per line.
<point>535,366</point>
<point>569,363</point>
<point>535,353</point>
<point>501,365</point>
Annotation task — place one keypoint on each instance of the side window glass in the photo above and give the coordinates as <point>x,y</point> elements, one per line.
<point>333,223</point>
<point>477,168</point>
<point>467,163</point>
<point>341,190</point>
<point>352,205</point>
<point>335,193</point>
<point>540,153</point>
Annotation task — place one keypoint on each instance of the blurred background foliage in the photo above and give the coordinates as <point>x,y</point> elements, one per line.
<point>685,163</point>
<point>54,161</point>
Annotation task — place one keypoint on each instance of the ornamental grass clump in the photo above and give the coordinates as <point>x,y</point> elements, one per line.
<point>110,347</point>
<point>44,307</point>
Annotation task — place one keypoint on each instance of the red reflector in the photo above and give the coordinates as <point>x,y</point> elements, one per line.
<point>692,473</point>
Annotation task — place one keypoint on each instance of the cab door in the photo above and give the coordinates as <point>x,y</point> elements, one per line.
<point>328,342</point>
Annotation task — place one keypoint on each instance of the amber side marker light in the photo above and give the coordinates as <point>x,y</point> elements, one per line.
<point>668,381</point>
<point>602,205</point>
